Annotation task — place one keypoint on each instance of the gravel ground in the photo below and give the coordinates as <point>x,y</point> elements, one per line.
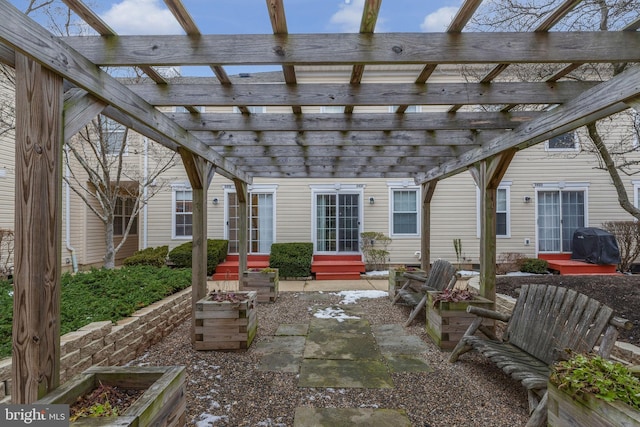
<point>226,389</point>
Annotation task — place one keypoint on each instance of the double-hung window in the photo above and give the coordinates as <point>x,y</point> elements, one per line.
<point>405,212</point>
<point>182,213</point>
<point>122,215</point>
<point>503,210</point>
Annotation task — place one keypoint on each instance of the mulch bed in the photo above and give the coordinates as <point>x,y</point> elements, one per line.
<point>620,292</point>
<point>104,401</point>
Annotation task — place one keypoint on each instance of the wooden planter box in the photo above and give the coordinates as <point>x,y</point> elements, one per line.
<point>264,283</point>
<point>224,325</point>
<point>448,321</point>
<point>564,410</point>
<point>163,403</point>
<point>396,279</point>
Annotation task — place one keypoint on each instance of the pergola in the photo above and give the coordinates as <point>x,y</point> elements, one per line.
<point>61,85</point>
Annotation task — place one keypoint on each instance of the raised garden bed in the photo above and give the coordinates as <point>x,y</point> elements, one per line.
<point>263,281</point>
<point>162,404</point>
<point>565,410</point>
<point>447,321</point>
<point>226,321</point>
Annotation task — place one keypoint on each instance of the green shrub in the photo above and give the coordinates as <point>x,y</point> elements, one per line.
<point>535,265</point>
<point>292,259</point>
<point>156,257</point>
<point>181,256</point>
<point>100,295</point>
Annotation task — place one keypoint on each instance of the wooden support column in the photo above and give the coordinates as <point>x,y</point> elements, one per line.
<point>487,174</point>
<point>38,222</point>
<point>428,188</point>
<point>243,225</point>
<point>200,173</point>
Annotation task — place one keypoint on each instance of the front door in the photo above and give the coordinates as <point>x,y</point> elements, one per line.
<point>337,223</point>
<point>559,213</point>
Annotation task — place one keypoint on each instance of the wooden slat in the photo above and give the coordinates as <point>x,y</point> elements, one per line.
<point>314,94</point>
<point>367,25</point>
<point>23,34</point>
<point>349,49</point>
<point>341,139</point>
<point>357,122</point>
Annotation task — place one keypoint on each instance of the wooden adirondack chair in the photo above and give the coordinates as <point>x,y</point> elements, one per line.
<point>442,276</point>
<point>546,321</point>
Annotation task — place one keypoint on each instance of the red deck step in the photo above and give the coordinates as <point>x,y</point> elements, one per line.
<point>228,270</point>
<point>337,267</point>
<point>563,264</point>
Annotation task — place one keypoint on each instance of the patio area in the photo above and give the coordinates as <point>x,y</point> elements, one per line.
<point>336,353</point>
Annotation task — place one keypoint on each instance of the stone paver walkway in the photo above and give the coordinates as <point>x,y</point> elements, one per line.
<point>344,353</point>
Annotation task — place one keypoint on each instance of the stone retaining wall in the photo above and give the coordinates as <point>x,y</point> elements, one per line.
<point>105,343</point>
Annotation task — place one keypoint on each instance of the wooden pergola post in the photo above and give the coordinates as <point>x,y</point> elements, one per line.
<point>243,222</point>
<point>487,174</point>
<point>200,173</point>
<point>428,188</point>
<point>38,222</point>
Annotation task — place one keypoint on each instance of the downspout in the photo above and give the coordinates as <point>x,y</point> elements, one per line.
<point>144,192</point>
<point>67,190</point>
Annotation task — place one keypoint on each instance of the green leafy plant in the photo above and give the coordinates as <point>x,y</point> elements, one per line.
<point>181,256</point>
<point>292,259</point>
<point>457,246</point>
<point>156,257</point>
<point>591,374</point>
<point>452,295</point>
<point>535,266</point>
<point>99,295</point>
<point>374,248</point>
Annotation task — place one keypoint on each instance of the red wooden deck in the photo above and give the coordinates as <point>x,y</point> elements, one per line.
<point>563,264</point>
<point>228,270</point>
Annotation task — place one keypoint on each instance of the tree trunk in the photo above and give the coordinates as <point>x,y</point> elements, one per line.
<point>623,197</point>
<point>110,253</point>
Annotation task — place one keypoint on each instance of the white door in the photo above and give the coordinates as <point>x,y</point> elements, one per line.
<point>337,223</point>
<point>559,214</point>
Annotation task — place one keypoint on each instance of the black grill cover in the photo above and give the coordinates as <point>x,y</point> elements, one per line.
<point>595,246</point>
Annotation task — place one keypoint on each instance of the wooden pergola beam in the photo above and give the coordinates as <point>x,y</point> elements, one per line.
<point>356,122</point>
<point>313,94</point>
<point>349,49</point>
<point>38,222</point>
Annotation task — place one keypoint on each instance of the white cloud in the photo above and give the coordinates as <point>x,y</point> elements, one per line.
<point>348,18</point>
<point>139,17</point>
<point>439,20</point>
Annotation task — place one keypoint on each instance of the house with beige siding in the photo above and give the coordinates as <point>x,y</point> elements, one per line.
<point>548,191</point>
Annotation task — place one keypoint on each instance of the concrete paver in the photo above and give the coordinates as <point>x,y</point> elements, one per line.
<point>350,417</point>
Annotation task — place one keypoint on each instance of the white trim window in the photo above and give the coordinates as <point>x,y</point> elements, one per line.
<point>565,142</point>
<point>261,218</point>
<point>503,210</point>
<point>404,210</point>
<point>121,216</point>
<point>182,218</point>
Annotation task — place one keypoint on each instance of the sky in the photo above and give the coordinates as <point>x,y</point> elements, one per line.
<point>148,17</point>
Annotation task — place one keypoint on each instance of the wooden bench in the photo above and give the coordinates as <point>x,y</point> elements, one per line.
<point>546,322</point>
<point>441,276</point>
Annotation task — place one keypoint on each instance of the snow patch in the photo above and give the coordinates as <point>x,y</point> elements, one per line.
<point>350,297</point>
<point>333,313</point>
<point>207,420</point>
